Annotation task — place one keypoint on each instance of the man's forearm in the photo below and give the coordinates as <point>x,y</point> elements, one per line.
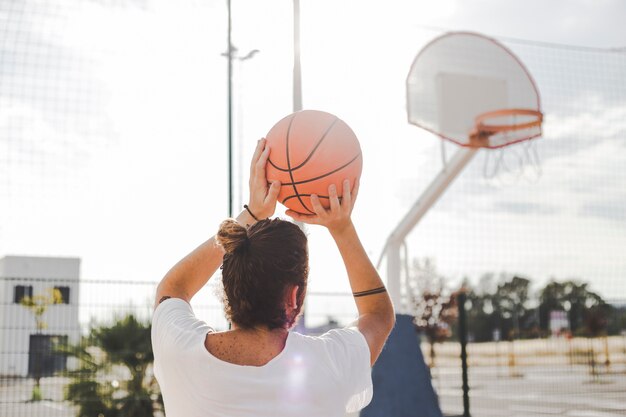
<point>361,273</point>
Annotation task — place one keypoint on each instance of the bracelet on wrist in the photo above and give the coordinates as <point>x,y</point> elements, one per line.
<point>250,211</point>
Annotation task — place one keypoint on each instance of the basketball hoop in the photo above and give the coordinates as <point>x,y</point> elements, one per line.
<point>498,129</point>
<point>536,115</point>
<point>473,91</point>
<point>506,165</point>
<point>503,122</point>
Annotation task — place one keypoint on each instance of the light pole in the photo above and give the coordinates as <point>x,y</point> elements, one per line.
<point>239,116</point>
<point>231,54</point>
<point>297,69</point>
<point>297,106</point>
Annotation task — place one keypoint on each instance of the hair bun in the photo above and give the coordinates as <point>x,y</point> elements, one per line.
<point>231,235</point>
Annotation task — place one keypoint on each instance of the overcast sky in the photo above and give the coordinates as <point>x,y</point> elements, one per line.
<point>113,132</point>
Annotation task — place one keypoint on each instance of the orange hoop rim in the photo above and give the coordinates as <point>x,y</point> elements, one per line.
<point>485,128</point>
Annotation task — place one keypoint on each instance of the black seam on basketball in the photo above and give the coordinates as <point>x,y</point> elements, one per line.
<point>325,197</point>
<point>323,175</point>
<point>295,189</point>
<point>275,166</point>
<point>319,142</point>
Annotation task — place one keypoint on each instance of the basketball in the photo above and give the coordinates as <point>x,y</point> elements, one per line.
<point>310,150</point>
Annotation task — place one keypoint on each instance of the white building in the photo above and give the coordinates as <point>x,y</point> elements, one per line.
<point>22,276</point>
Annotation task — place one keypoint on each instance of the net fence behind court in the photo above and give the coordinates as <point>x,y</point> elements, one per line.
<point>82,83</point>
<point>88,346</point>
<point>549,338</point>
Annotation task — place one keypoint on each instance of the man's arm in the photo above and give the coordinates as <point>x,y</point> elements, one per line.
<point>192,272</point>
<point>376,314</point>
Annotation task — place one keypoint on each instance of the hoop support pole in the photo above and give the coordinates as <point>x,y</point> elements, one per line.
<point>429,197</point>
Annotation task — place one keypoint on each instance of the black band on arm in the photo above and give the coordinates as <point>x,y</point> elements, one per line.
<point>370,292</point>
<point>165,297</point>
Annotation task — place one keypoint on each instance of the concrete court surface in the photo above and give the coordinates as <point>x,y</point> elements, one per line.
<point>536,391</point>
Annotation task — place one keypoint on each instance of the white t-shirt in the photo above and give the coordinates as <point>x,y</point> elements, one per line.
<point>323,376</point>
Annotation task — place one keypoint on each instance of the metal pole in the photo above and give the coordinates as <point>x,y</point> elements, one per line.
<point>429,197</point>
<point>297,106</point>
<point>297,70</point>
<point>229,57</point>
<point>230,113</point>
<point>463,339</point>
<point>238,79</point>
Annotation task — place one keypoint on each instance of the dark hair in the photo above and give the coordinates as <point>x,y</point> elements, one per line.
<point>261,264</point>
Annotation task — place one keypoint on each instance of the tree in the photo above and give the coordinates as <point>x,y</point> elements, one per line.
<point>587,313</point>
<point>38,305</point>
<point>569,296</point>
<point>500,305</point>
<point>617,320</point>
<point>432,305</point>
<point>112,379</point>
<point>511,300</point>
<point>482,318</point>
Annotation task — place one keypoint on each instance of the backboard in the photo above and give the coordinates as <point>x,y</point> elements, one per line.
<point>463,80</point>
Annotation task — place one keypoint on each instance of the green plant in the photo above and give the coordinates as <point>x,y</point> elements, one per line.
<point>112,378</point>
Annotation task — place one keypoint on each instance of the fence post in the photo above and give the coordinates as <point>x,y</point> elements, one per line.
<point>463,340</point>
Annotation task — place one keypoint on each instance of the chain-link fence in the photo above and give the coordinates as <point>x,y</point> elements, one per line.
<point>69,345</point>
<point>53,351</point>
<point>112,149</point>
<point>558,372</point>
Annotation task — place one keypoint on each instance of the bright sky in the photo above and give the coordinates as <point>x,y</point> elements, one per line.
<point>126,169</point>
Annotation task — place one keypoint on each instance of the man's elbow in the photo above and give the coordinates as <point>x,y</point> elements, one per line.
<point>390,321</point>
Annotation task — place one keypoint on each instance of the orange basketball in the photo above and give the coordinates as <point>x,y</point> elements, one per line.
<point>310,150</point>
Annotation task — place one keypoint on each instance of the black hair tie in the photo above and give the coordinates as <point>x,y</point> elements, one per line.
<point>252,214</point>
